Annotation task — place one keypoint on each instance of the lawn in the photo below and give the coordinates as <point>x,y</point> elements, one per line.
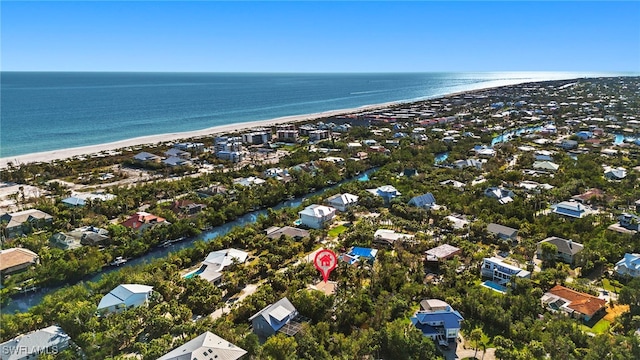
<point>337,231</point>
<point>611,285</point>
<point>600,327</point>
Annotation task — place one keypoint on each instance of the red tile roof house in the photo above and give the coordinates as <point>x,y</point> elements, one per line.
<point>577,304</point>
<point>141,221</point>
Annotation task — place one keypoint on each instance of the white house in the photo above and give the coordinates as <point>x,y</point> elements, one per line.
<point>209,345</point>
<point>388,237</point>
<point>438,320</point>
<point>274,318</point>
<point>629,265</point>
<point>501,272</point>
<point>125,296</point>
<point>572,209</point>
<point>216,261</point>
<point>317,216</point>
<point>49,340</point>
<point>343,201</point>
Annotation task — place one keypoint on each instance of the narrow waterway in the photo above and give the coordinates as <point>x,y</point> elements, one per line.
<point>23,302</point>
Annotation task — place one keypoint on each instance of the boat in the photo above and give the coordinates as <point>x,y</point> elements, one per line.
<point>118,261</point>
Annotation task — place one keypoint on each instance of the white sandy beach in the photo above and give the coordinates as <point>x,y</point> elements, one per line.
<point>47,156</point>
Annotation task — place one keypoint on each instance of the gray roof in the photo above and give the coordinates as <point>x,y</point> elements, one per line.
<point>278,310</point>
<point>205,347</point>
<point>442,251</point>
<point>275,232</point>
<point>23,345</point>
<point>17,218</point>
<point>423,200</point>
<point>564,246</point>
<point>501,229</point>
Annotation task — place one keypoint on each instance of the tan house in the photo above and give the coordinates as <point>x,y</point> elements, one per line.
<point>16,259</point>
<point>22,222</point>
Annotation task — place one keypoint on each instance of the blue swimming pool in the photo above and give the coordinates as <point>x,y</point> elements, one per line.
<point>195,273</point>
<point>494,286</point>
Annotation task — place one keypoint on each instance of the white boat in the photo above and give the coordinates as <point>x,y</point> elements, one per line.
<point>118,261</point>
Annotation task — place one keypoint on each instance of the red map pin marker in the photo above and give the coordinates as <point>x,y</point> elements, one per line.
<point>325,261</point>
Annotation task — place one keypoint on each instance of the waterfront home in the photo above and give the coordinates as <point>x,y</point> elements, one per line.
<point>16,259</point>
<point>385,237</point>
<point>572,209</point>
<point>206,346</point>
<point>630,221</point>
<point>22,222</point>
<point>342,202</point>
<point>629,265</point>
<point>249,181</point>
<point>317,216</point>
<point>86,235</point>
<point>49,340</point>
<point>438,321</point>
<point>503,196</point>
<point>442,252</point>
<point>141,221</point>
<point>568,250</point>
<point>387,192</point>
<point>287,135</point>
<point>125,296</point>
<point>190,146</point>
<point>317,135</point>
<point>147,157</point>
<point>212,266</point>
<point>275,232</point>
<point>499,271</point>
<point>257,137</point>
<point>426,201</point>
<point>503,232</point>
<point>175,152</point>
<point>64,241</point>
<point>576,304</point>
<point>186,207</point>
<point>275,318</point>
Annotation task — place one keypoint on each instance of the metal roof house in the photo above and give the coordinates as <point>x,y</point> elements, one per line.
<point>207,346</point>
<point>125,296</point>
<point>629,265</point>
<point>502,195</point>
<point>387,192</point>
<point>342,202</point>
<point>317,216</point>
<point>426,201</point>
<point>19,223</point>
<point>501,272</point>
<point>274,318</point>
<point>503,232</point>
<point>49,340</point>
<point>571,209</point>
<point>438,320</point>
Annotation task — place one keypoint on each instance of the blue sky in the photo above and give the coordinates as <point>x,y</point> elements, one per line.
<point>320,36</point>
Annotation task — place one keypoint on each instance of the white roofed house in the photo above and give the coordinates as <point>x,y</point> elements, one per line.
<point>503,196</point>
<point>629,265</point>
<point>342,202</point>
<point>387,237</point>
<point>501,272</point>
<point>387,192</point>
<point>546,166</point>
<point>615,173</point>
<point>50,340</point>
<point>125,296</point>
<point>572,209</point>
<point>317,216</point>
<point>216,261</point>
<point>147,157</point>
<point>277,317</point>
<point>207,346</point>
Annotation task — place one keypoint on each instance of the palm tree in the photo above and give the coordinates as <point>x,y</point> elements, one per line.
<point>476,337</point>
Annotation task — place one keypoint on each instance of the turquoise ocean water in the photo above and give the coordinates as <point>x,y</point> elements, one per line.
<point>43,111</point>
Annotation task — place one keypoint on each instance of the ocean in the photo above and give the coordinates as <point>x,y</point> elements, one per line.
<point>44,111</point>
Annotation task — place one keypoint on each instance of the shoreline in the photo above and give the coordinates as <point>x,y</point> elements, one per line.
<point>62,154</point>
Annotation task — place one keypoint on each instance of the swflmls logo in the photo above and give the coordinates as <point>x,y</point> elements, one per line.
<point>27,350</point>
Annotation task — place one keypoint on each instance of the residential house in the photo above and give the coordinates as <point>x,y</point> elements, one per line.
<point>385,237</point>
<point>22,222</point>
<point>80,199</point>
<point>576,304</point>
<point>141,221</point>
<point>16,259</point>
<point>249,181</point>
<point>457,222</point>
<point>454,183</point>
<point>503,232</point>
<point>317,135</point>
<point>276,318</point>
<point>276,232</point>
<point>568,144</point>
<point>438,320</point>
<point>387,192</point>
<point>588,196</point>
<point>475,163</point>
<point>546,166</point>
<point>426,201</point>
<point>615,173</point>
<point>628,266</point>
<point>584,135</point>
<point>228,148</point>
<point>568,250</point>
<point>64,241</point>
<point>317,216</point>
<point>147,157</point>
<point>190,146</point>
<point>216,261</point>
<point>186,207</point>
<point>86,235</point>
<point>50,340</point>
<point>342,202</point>
<point>501,272</point>
<point>544,155</point>
<point>125,296</point>
<point>207,346</point>
<point>503,196</point>
<point>175,152</point>
<point>629,221</point>
<point>442,252</point>
<point>356,254</point>
<point>176,161</point>
<point>572,209</point>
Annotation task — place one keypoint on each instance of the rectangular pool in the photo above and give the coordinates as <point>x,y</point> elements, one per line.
<point>494,286</point>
